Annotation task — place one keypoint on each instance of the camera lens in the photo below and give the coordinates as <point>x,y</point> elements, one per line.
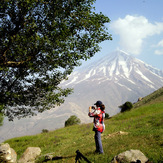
<point>93,107</point>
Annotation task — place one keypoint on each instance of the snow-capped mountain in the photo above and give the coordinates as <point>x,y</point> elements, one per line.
<point>114,79</point>
<point>115,67</point>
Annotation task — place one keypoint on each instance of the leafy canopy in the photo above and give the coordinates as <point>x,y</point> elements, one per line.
<point>41,41</point>
<point>73,120</point>
<point>126,106</point>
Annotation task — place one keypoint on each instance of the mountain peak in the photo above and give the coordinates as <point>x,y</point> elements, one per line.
<point>115,66</point>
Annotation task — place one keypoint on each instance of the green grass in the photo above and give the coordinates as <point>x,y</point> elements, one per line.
<point>144,125</point>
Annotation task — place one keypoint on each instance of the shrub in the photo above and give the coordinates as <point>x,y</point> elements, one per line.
<point>126,106</point>
<point>45,131</point>
<point>106,116</point>
<point>72,121</point>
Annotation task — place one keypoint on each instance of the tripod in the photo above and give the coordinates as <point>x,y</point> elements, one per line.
<point>79,157</point>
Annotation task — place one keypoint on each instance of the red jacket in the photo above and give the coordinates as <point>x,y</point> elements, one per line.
<point>99,116</point>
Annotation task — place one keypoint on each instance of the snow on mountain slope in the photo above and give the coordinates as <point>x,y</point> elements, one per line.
<point>116,66</point>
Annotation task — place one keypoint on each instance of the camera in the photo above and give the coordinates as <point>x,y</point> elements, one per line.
<point>93,107</point>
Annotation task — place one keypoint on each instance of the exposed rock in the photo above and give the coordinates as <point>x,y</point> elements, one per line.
<point>7,154</point>
<point>30,155</point>
<point>116,134</point>
<point>131,156</point>
<point>140,98</point>
<point>50,156</point>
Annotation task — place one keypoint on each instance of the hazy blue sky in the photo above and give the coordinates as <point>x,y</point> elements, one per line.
<point>136,27</point>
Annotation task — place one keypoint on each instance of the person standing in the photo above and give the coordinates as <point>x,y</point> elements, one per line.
<point>98,113</point>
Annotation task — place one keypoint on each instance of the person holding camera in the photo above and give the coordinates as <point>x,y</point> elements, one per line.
<point>98,113</point>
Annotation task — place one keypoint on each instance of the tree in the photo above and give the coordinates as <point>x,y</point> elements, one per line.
<point>106,116</point>
<point>41,41</point>
<point>45,131</point>
<point>73,120</point>
<point>126,106</point>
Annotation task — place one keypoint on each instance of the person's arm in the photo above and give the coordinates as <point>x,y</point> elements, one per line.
<point>90,114</point>
<point>94,113</point>
<point>90,108</point>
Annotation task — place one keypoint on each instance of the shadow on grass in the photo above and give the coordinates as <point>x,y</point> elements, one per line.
<point>79,156</point>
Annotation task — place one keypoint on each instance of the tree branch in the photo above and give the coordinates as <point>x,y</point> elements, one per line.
<point>15,64</point>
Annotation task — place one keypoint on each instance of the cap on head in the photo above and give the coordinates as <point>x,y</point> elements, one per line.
<point>99,103</point>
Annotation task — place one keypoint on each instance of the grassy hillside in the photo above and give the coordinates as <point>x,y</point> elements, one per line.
<point>152,98</point>
<point>144,125</point>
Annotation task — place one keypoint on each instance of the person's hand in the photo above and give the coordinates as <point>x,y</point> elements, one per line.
<point>90,108</point>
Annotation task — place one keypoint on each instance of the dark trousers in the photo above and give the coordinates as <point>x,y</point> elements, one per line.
<point>98,142</point>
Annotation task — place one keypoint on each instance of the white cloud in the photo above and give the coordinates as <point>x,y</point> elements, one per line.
<point>160,44</point>
<point>133,30</point>
<point>159,52</point>
<point>159,47</point>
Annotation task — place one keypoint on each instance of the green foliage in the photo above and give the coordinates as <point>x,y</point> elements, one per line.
<point>126,106</point>
<point>73,120</point>
<point>45,131</point>
<point>143,125</point>
<point>106,116</point>
<point>40,44</point>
